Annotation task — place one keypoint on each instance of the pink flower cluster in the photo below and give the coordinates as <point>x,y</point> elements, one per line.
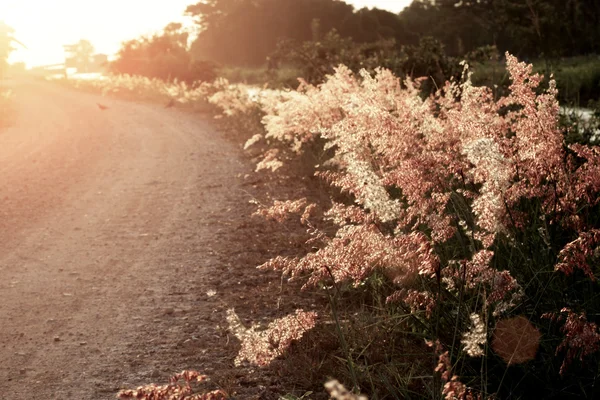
<point>424,175</point>
<point>576,253</point>
<point>356,251</point>
<point>281,210</point>
<point>260,347</point>
<point>459,155</point>
<point>581,337</point>
<point>174,390</point>
<point>453,388</point>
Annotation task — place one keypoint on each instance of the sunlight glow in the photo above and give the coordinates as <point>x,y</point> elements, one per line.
<point>45,26</point>
<point>394,6</point>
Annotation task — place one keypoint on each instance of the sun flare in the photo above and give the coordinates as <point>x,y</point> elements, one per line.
<point>45,26</point>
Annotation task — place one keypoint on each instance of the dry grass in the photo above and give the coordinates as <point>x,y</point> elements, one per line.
<point>146,89</point>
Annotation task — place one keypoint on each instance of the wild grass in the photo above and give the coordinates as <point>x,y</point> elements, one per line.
<point>460,241</point>
<point>147,89</point>
<point>468,223</point>
<point>280,78</point>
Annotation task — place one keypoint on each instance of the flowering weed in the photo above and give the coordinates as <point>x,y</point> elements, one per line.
<point>477,213</point>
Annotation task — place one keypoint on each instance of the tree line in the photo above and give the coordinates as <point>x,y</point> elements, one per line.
<point>8,41</point>
<point>425,39</point>
<point>243,32</point>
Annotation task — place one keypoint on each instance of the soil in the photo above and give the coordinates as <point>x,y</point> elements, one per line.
<point>126,234</point>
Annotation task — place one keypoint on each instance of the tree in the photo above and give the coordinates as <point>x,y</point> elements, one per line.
<point>164,56</point>
<point>80,55</point>
<point>7,40</point>
<point>243,32</point>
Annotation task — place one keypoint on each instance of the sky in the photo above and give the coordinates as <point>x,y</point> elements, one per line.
<point>44,26</point>
<point>394,6</point>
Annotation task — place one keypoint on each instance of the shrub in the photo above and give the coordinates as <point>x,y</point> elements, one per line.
<point>163,56</point>
<point>428,59</point>
<point>472,213</point>
<point>284,76</point>
<point>460,218</point>
<point>317,58</point>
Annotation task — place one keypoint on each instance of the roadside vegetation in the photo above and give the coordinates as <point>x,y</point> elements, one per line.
<point>456,232</point>
<point>475,279</point>
<point>7,43</point>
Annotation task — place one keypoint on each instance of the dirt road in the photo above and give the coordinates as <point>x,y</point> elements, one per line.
<point>118,230</point>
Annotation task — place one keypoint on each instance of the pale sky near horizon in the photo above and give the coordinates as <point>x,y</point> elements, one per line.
<point>44,26</point>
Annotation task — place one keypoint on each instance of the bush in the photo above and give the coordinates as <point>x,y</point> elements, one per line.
<point>163,56</point>
<point>429,60</point>
<point>460,246</point>
<point>202,71</point>
<point>283,76</point>
<point>461,219</point>
<point>318,58</point>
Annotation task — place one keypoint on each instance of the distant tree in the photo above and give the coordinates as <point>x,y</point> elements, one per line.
<point>528,28</point>
<point>243,32</point>
<point>80,55</point>
<point>164,56</point>
<point>7,41</point>
<point>552,28</point>
<point>247,32</point>
<point>370,25</point>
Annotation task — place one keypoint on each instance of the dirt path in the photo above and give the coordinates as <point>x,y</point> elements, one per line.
<point>118,230</point>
